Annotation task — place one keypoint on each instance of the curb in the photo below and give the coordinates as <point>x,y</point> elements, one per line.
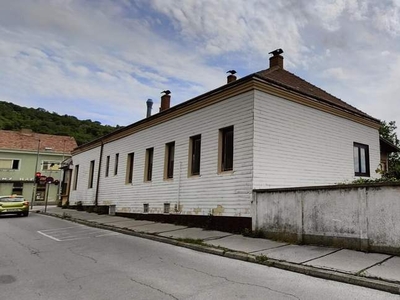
<point>372,283</point>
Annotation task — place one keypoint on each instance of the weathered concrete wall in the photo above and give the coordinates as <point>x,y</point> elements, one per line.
<point>356,217</point>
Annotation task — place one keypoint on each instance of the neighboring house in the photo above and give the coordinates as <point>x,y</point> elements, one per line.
<point>205,156</point>
<point>25,153</point>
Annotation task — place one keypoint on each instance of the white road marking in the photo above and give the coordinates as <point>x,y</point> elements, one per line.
<point>73,233</point>
<point>49,236</point>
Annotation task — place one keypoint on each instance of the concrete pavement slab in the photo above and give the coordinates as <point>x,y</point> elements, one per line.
<point>245,244</point>
<point>111,220</point>
<point>130,223</point>
<point>348,261</point>
<point>388,270</point>
<point>296,253</point>
<point>157,228</point>
<point>195,233</point>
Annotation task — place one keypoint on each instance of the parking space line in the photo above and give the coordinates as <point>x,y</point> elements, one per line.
<point>49,236</point>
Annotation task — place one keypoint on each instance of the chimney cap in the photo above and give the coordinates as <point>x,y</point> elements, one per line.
<point>166,92</point>
<point>276,52</point>
<point>149,101</point>
<point>232,72</point>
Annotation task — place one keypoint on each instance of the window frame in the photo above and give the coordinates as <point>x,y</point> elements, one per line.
<point>169,161</point>
<point>194,155</point>
<point>360,146</point>
<point>107,166</point>
<point>91,174</point>
<point>130,161</point>
<point>116,162</point>
<point>149,161</point>
<point>12,164</point>
<point>223,166</point>
<point>76,174</point>
<point>49,163</point>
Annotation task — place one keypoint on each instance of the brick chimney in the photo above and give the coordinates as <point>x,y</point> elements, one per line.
<point>231,77</point>
<point>276,60</point>
<point>165,100</point>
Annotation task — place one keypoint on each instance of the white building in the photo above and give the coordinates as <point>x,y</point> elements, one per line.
<point>205,156</point>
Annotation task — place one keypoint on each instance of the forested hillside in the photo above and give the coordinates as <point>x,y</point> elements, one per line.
<point>14,117</point>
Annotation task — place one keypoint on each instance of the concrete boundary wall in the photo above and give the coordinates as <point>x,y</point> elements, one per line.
<point>361,217</point>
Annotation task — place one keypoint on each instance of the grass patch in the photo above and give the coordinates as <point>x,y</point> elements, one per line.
<point>261,258</point>
<point>192,241</point>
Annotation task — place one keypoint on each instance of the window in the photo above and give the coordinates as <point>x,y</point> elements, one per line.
<point>107,165</point>
<point>91,174</point>
<point>116,164</point>
<point>145,207</point>
<point>148,172</point>
<point>76,177</point>
<point>169,160</point>
<point>17,188</point>
<point>9,164</point>
<point>226,149</point>
<point>194,155</point>
<point>51,165</point>
<point>129,168</point>
<point>361,159</point>
<point>166,208</point>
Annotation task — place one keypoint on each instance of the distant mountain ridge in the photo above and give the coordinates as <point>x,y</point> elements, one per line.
<point>15,117</point>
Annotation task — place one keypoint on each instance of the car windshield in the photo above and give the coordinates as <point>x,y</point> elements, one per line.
<point>11,199</point>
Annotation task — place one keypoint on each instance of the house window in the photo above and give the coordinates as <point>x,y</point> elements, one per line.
<point>169,160</point>
<point>129,168</point>
<point>9,164</point>
<point>226,149</point>
<point>116,164</point>
<point>148,172</point>
<point>51,165</point>
<point>107,165</point>
<point>91,174</point>
<point>76,177</point>
<point>17,188</point>
<point>145,207</point>
<point>361,159</point>
<point>194,155</point>
<point>166,208</point>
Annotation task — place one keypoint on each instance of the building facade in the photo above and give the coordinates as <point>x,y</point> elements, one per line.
<point>205,156</point>
<point>24,154</point>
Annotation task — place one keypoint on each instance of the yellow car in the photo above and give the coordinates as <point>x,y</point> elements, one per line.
<point>14,204</point>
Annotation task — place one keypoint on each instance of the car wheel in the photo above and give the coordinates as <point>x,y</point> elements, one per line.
<point>25,214</point>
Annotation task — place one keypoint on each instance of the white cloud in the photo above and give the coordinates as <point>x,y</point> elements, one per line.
<point>103,59</point>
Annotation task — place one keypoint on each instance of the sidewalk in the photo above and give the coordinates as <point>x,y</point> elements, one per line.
<point>373,270</point>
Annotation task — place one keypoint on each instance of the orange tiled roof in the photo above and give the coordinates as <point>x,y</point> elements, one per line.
<point>28,140</point>
<point>288,80</point>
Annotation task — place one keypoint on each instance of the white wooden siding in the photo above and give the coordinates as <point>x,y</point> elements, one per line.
<point>227,194</point>
<point>295,145</point>
<point>83,192</point>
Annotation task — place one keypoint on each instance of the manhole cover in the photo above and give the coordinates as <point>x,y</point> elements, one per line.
<point>7,279</point>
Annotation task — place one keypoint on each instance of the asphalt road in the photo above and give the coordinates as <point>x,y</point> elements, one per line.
<point>46,258</point>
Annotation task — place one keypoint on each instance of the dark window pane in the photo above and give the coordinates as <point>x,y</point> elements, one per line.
<point>170,160</point>
<point>227,149</point>
<point>196,151</point>
<point>15,165</point>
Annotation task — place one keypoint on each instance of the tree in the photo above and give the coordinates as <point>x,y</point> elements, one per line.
<point>388,132</point>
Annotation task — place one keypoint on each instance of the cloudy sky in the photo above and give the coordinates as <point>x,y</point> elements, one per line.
<point>102,59</point>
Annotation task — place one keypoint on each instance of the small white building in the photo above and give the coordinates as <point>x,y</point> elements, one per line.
<point>205,156</point>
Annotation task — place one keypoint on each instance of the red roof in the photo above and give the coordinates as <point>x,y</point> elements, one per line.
<point>283,78</point>
<point>28,140</point>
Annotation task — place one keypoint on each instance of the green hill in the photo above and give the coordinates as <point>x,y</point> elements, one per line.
<point>15,117</point>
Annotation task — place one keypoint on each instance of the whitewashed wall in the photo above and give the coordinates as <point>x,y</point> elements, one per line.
<point>226,194</point>
<point>295,145</point>
<point>359,217</point>
<point>83,192</point>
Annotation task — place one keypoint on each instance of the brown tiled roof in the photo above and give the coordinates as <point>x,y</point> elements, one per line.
<point>28,140</point>
<point>292,82</point>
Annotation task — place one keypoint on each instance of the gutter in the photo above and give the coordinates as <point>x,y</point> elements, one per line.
<point>96,199</point>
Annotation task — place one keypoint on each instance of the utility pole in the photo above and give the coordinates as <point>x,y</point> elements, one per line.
<point>34,181</point>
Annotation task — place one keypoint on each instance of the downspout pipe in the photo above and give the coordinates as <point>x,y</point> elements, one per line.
<point>96,199</point>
